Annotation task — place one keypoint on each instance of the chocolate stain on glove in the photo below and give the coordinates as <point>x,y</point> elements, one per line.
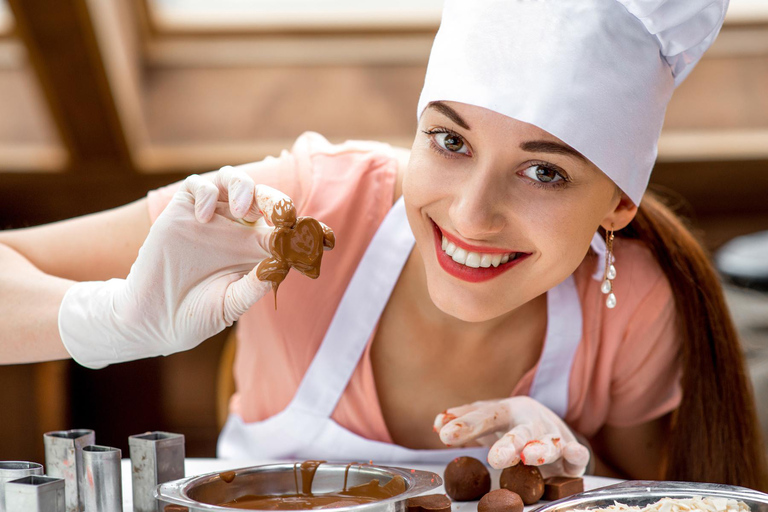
<point>295,242</point>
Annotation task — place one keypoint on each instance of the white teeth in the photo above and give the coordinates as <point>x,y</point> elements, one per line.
<point>460,255</point>
<point>473,260</point>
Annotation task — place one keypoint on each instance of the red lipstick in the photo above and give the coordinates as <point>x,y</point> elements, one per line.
<point>465,273</point>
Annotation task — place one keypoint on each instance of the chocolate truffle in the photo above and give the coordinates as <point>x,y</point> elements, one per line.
<point>525,481</point>
<point>559,487</point>
<point>429,503</point>
<point>466,479</point>
<point>500,500</point>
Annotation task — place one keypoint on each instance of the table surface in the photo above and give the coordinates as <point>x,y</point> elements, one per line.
<point>202,466</point>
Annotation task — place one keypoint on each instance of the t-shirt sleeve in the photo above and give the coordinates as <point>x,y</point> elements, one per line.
<point>647,371</point>
<point>290,172</point>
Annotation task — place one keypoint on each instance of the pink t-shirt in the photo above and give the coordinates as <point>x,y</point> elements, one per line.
<point>626,369</point>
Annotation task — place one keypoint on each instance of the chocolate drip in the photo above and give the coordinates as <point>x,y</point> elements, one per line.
<point>346,475</point>
<point>308,470</point>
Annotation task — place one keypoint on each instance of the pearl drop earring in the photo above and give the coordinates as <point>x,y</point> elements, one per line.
<point>610,272</point>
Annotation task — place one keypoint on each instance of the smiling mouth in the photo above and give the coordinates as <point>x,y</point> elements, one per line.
<point>473,264</point>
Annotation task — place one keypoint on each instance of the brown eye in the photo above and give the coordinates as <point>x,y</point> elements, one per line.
<point>451,142</point>
<point>545,174</point>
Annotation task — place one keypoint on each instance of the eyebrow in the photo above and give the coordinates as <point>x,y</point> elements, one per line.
<point>546,146</point>
<point>532,146</point>
<point>449,113</point>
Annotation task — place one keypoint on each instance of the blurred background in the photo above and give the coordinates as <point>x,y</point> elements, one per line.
<point>103,100</point>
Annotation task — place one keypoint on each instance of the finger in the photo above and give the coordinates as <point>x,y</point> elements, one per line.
<point>204,194</point>
<point>237,189</point>
<point>242,294</point>
<point>491,417</point>
<point>575,459</point>
<point>261,235</point>
<point>277,208</point>
<point>541,451</point>
<point>506,451</point>
<point>451,414</point>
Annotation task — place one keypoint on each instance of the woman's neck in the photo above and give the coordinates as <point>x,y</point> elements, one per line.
<point>529,318</point>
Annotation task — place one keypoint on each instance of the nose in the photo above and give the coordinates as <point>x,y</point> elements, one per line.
<point>477,209</point>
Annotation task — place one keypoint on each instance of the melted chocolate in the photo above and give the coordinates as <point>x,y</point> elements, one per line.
<point>175,508</point>
<point>295,242</point>
<point>305,500</point>
<point>346,474</point>
<point>283,214</point>
<point>308,470</point>
<point>356,495</point>
<point>227,476</point>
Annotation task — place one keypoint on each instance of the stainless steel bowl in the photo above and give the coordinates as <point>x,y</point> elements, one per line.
<point>642,493</point>
<point>203,493</point>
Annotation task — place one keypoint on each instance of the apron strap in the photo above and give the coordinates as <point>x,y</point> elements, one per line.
<point>357,315</point>
<point>552,380</point>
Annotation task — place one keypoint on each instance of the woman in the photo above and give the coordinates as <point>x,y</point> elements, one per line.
<point>463,276</point>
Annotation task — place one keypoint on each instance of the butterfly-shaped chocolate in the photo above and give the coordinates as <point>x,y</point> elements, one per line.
<point>300,246</point>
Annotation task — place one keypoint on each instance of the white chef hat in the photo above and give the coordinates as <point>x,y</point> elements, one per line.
<point>597,74</point>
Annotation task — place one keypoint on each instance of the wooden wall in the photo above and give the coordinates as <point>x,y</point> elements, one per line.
<point>97,108</point>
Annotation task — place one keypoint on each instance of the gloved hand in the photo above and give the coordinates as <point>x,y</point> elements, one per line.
<point>519,429</point>
<point>194,275</point>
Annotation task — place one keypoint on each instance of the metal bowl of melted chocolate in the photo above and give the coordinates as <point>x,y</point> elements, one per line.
<point>301,486</point>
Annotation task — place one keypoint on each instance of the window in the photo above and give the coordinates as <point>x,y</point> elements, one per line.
<point>210,15</point>
<point>29,141</point>
<point>6,19</point>
<point>747,11</point>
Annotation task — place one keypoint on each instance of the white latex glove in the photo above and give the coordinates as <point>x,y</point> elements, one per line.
<point>195,275</point>
<point>517,429</point>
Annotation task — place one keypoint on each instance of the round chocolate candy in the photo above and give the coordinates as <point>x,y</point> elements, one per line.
<point>500,500</point>
<point>466,479</point>
<point>523,480</point>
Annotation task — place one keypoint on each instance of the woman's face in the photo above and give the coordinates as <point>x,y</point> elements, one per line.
<point>502,211</point>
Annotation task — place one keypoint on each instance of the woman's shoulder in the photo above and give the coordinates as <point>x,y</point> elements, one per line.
<point>322,177</point>
<point>640,269</point>
<point>627,368</point>
<point>363,172</point>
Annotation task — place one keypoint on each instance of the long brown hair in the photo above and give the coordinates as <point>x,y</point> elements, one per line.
<point>715,435</point>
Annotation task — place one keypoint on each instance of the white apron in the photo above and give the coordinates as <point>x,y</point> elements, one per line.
<point>304,430</point>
